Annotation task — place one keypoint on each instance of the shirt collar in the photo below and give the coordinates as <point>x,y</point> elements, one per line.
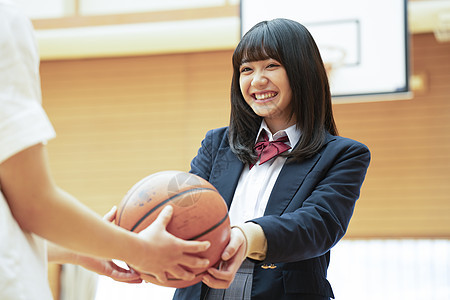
<point>292,133</point>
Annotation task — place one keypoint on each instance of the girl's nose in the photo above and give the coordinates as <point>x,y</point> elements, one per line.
<point>259,80</point>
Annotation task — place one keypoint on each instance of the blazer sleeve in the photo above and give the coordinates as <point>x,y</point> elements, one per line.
<point>202,163</point>
<point>318,215</point>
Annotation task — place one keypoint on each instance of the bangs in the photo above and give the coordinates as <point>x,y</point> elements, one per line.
<point>257,44</point>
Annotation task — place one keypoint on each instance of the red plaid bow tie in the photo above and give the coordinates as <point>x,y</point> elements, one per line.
<point>267,150</point>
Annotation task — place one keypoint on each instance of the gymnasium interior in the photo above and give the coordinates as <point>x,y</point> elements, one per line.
<point>120,78</point>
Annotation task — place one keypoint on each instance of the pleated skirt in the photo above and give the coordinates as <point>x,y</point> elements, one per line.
<point>240,288</point>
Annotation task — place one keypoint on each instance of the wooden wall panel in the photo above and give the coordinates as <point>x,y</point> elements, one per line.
<point>120,119</point>
<point>407,188</point>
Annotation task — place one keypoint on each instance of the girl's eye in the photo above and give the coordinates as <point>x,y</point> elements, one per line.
<point>245,69</point>
<point>273,66</point>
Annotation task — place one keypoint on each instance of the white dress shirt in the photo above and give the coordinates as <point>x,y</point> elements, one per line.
<point>255,184</point>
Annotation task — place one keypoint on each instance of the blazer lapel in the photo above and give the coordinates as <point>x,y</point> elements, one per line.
<point>225,173</point>
<point>289,181</point>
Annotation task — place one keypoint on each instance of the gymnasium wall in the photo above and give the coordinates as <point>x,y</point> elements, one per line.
<point>120,119</point>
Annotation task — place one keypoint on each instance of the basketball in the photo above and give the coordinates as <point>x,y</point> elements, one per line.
<point>199,213</point>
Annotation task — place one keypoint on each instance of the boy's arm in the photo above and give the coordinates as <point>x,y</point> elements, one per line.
<point>41,207</point>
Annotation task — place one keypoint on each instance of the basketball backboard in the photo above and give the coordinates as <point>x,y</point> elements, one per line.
<point>363,43</point>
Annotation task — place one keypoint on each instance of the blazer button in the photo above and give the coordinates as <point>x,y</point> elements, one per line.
<point>266,266</point>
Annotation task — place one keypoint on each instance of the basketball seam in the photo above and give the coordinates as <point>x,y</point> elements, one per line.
<point>164,202</point>
<point>131,192</point>
<point>210,229</point>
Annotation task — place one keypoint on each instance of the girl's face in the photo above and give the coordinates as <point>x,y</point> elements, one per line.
<point>265,87</point>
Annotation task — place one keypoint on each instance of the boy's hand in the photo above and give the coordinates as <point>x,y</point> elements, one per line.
<point>168,254</point>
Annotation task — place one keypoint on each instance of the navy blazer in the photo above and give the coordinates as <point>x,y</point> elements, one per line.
<point>308,212</point>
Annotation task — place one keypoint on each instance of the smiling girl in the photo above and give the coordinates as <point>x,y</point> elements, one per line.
<point>289,180</point>
<point>265,87</point>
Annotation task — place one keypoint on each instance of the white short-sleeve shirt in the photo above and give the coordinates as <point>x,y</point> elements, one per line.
<point>23,123</point>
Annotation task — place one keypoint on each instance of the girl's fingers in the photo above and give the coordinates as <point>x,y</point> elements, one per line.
<point>215,283</point>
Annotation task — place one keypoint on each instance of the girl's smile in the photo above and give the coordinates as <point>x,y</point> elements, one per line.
<point>264,96</point>
<point>265,87</point>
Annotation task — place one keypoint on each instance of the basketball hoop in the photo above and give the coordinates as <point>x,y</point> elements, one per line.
<point>333,57</point>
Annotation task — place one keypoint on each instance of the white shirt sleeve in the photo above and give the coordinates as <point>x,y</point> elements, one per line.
<point>23,122</point>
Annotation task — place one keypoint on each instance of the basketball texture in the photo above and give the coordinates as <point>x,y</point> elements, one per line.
<point>200,213</point>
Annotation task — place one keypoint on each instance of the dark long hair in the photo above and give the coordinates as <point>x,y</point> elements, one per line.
<point>292,45</point>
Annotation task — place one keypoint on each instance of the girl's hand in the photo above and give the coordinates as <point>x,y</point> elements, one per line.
<point>232,256</point>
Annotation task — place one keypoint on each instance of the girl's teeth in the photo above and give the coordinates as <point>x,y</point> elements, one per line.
<point>264,96</point>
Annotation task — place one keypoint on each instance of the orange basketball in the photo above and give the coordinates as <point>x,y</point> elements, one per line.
<point>200,213</point>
